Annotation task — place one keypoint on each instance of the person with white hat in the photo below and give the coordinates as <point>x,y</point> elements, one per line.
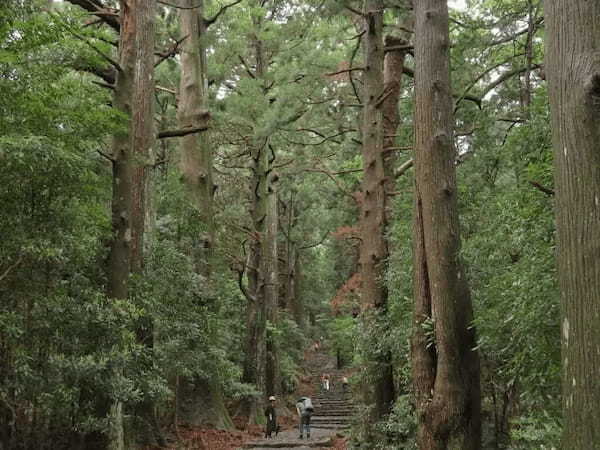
<point>271,416</point>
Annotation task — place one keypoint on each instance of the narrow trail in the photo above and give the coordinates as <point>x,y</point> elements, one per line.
<point>333,410</point>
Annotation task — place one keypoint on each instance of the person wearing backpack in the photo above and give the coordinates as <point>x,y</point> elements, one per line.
<point>305,409</point>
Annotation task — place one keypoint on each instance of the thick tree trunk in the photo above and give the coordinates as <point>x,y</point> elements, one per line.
<point>137,61</point>
<point>200,401</point>
<point>196,154</point>
<point>374,247</point>
<point>255,357</point>
<point>573,70</point>
<point>445,366</point>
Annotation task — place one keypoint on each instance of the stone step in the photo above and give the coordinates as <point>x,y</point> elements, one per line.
<point>291,443</point>
<point>332,426</point>
<point>335,412</point>
<point>333,405</point>
<point>330,421</point>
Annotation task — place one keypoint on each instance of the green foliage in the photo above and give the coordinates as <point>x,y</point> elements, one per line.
<point>399,427</point>
<point>343,333</point>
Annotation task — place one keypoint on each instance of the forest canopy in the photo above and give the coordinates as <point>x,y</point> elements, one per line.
<point>194,192</point>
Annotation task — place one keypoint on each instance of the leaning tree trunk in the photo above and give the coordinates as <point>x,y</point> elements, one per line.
<point>374,247</point>
<point>200,401</point>
<point>445,364</point>
<point>573,70</point>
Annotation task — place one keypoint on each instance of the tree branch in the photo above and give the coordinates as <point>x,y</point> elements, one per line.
<point>355,11</point>
<point>403,168</point>
<point>11,267</point>
<point>181,132</point>
<point>213,19</point>
<point>174,50</point>
<point>549,192</point>
<point>352,69</point>
<point>97,8</point>
<point>325,236</point>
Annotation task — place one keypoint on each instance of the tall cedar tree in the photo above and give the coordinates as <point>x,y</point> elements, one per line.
<point>374,251</point>
<point>199,401</point>
<point>445,365</point>
<point>573,67</point>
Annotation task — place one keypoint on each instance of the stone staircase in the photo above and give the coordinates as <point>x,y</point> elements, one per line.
<point>333,411</point>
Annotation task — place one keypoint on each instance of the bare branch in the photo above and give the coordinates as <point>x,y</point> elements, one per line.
<point>105,155</point>
<point>354,11</point>
<point>403,168</point>
<point>181,132</point>
<point>549,192</point>
<point>246,67</point>
<point>330,175</point>
<point>325,236</point>
<point>352,69</point>
<point>174,50</point>
<point>11,267</point>
<point>213,19</point>
<point>479,77</point>
<point>97,8</point>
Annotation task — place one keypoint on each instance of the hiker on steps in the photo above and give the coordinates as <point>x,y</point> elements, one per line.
<point>325,382</point>
<point>271,416</point>
<point>345,384</point>
<point>305,409</point>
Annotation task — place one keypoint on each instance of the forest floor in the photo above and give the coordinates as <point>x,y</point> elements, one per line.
<point>333,411</point>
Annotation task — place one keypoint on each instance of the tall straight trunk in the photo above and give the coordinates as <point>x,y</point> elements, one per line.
<point>200,401</point>
<point>196,153</point>
<point>573,70</point>
<point>374,247</point>
<point>445,364</point>
<point>133,96</point>
<point>137,34</point>
<point>270,267</point>
<point>255,357</point>
<point>260,365</point>
<point>142,132</point>
<point>526,89</point>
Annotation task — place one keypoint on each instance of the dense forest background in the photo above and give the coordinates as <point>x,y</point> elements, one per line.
<point>183,213</point>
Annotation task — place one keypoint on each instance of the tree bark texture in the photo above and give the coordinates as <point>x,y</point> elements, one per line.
<point>374,247</point>
<point>255,355</point>
<point>196,154</point>
<point>270,267</point>
<point>573,71</point>
<point>445,364</point>
<point>393,68</point>
<point>138,19</point>
<point>201,401</point>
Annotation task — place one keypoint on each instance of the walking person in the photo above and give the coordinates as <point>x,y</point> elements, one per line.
<point>325,379</point>
<point>271,416</point>
<point>345,384</point>
<point>305,409</point>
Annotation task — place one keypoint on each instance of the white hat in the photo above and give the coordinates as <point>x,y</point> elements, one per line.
<point>272,397</point>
